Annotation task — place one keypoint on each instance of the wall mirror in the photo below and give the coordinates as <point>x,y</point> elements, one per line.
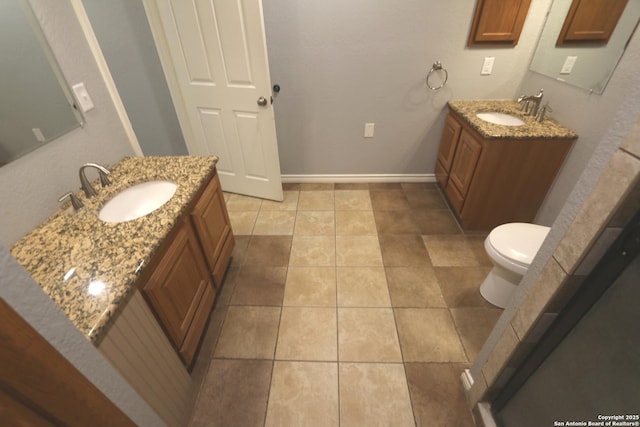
<point>36,105</point>
<point>587,66</point>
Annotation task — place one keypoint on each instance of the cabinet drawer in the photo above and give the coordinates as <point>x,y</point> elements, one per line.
<point>223,260</point>
<point>455,198</point>
<point>441,175</point>
<point>191,340</point>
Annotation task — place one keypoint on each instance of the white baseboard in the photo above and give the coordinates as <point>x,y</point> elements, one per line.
<point>356,178</point>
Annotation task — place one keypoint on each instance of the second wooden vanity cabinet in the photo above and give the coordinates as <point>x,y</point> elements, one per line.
<point>492,181</point>
<point>180,282</point>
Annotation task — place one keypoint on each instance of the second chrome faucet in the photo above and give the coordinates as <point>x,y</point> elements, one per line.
<point>531,103</point>
<point>84,182</point>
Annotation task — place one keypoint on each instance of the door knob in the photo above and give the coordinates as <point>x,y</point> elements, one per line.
<point>262,101</point>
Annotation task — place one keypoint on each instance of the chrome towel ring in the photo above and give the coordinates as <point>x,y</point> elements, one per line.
<point>437,66</point>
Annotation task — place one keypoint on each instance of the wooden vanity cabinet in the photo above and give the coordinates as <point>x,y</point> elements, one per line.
<point>495,181</point>
<point>498,22</point>
<point>447,149</point>
<point>180,282</point>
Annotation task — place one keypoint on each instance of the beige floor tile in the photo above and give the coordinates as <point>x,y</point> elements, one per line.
<point>450,251</point>
<point>249,333</point>
<point>310,286</point>
<point>395,222</point>
<point>428,335</point>
<point>474,326</point>
<point>386,402</point>
<point>288,203</point>
<point>316,200</point>
<point>388,200</point>
<point>315,223</point>
<point>238,202</point>
<point>275,223</point>
<point>403,250</point>
<point>303,394</point>
<point>259,285</point>
<point>425,199</point>
<point>358,251</point>
<point>414,287</point>
<point>242,222</point>
<point>461,285</point>
<point>367,335</point>
<point>307,334</point>
<point>437,396</point>
<point>313,251</point>
<point>355,223</point>
<point>352,200</point>
<point>234,393</point>
<point>317,186</point>
<point>435,221</point>
<point>268,250</point>
<point>362,287</point>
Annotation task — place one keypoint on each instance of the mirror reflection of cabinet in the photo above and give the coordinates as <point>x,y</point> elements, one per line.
<point>591,21</point>
<point>498,22</point>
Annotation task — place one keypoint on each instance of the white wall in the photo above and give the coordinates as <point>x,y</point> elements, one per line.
<point>590,115</point>
<point>31,185</point>
<point>341,64</point>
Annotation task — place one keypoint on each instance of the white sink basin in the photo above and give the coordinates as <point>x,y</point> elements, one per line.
<point>500,119</point>
<point>137,201</point>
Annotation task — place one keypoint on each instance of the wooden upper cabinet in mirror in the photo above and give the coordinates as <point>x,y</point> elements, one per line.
<point>498,22</point>
<point>590,21</point>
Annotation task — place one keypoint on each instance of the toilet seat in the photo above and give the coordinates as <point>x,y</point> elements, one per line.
<point>516,243</point>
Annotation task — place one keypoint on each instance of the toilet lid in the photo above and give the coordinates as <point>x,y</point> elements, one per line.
<point>518,241</point>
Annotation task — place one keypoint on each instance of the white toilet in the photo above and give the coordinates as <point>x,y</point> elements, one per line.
<point>511,248</point>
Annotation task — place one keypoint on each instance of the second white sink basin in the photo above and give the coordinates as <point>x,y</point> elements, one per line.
<point>500,119</point>
<point>137,201</point>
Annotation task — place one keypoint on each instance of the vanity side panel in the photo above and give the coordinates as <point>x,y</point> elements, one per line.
<point>138,348</point>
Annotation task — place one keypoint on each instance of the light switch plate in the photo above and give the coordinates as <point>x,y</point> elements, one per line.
<point>487,65</point>
<point>368,130</point>
<point>567,67</point>
<point>86,104</point>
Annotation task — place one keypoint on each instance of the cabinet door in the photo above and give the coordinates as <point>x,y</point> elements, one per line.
<point>448,142</point>
<point>211,221</point>
<point>498,22</point>
<point>177,284</point>
<point>591,21</point>
<point>464,164</point>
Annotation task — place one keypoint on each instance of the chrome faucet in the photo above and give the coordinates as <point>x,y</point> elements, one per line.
<point>84,182</point>
<point>531,103</point>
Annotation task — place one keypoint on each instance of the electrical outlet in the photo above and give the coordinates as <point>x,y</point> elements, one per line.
<point>368,130</point>
<point>487,65</point>
<point>567,67</point>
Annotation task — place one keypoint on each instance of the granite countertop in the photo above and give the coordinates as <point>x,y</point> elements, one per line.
<point>89,267</point>
<point>548,129</point>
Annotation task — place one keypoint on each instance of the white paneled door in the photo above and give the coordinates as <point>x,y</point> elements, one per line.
<point>215,58</point>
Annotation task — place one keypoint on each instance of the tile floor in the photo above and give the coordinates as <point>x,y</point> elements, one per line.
<point>345,305</point>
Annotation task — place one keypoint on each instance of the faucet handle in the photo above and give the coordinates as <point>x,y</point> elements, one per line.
<point>540,116</point>
<point>75,202</point>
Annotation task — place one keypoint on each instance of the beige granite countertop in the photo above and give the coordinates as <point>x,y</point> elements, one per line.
<point>548,129</point>
<point>89,267</point>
